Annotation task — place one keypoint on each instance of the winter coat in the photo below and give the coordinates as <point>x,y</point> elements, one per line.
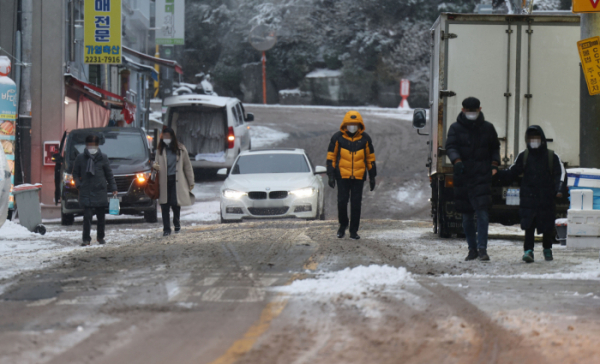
<point>351,156</point>
<point>93,189</point>
<point>539,185</point>
<point>476,144</point>
<point>184,176</point>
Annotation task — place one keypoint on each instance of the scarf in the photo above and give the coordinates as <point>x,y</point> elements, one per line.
<point>92,159</point>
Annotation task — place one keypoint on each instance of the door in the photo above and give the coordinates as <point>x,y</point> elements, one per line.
<point>480,62</point>
<point>58,163</point>
<point>549,83</point>
<point>240,129</point>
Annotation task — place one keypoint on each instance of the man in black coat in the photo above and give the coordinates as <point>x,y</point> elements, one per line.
<point>543,179</point>
<point>92,175</point>
<point>474,150</point>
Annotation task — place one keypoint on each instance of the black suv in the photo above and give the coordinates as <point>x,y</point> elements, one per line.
<point>130,159</point>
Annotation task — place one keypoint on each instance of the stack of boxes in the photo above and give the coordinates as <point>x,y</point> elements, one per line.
<point>583,227</point>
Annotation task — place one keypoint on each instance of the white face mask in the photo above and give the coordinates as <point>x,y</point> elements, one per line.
<point>352,128</point>
<point>535,143</point>
<point>472,115</point>
<point>92,150</point>
<point>167,141</point>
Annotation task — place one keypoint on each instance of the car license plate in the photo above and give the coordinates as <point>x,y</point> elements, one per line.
<point>267,203</point>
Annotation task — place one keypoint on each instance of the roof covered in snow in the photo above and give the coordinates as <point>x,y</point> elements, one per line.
<point>324,72</point>
<point>206,100</point>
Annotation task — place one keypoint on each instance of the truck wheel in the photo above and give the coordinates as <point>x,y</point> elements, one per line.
<point>442,227</point>
<point>150,216</point>
<point>66,219</point>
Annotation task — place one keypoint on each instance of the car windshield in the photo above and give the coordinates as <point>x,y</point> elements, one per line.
<point>271,163</point>
<point>116,146</point>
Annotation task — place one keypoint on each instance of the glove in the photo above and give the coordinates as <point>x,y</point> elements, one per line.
<point>156,166</point>
<point>191,187</point>
<point>494,170</point>
<point>459,168</point>
<point>372,183</point>
<point>331,181</point>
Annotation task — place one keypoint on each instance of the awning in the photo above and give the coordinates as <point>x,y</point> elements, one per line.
<point>160,61</point>
<point>84,85</point>
<point>141,67</point>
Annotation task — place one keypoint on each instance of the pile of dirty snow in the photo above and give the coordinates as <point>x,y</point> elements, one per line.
<point>350,281</point>
<point>263,136</point>
<point>11,230</point>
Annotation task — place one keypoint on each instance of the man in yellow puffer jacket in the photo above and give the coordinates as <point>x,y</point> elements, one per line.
<point>350,157</point>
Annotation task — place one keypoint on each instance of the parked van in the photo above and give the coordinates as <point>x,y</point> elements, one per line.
<point>129,156</point>
<point>213,129</point>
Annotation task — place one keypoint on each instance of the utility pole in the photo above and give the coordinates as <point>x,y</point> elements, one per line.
<point>589,144</point>
<point>24,117</point>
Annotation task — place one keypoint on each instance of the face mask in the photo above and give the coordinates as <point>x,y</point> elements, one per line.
<point>535,143</point>
<point>167,141</point>
<point>352,128</point>
<point>472,115</point>
<point>92,150</point>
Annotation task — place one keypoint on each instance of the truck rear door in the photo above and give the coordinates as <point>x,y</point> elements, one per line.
<point>481,63</point>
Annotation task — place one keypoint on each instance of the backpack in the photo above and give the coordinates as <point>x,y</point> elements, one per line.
<point>550,159</point>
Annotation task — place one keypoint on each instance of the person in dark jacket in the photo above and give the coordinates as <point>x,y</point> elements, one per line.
<point>543,179</point>
<point>350,157</point>
<point>92,175</point>
<point>474,150</point>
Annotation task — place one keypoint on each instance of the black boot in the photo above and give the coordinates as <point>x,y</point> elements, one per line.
<point>472,255</point>
<point>483,255</point>
<point>354,236</point>
<point>341,232</point>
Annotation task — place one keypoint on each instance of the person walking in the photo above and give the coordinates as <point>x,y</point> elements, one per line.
<point>474,150</point>
<point>543,180</point>
<point>176,178</point>
<point>93,177</point>
<point>350,156</point>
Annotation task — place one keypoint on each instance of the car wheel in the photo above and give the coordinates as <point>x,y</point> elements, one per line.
<point>66,219</point>
<point>150,216</point>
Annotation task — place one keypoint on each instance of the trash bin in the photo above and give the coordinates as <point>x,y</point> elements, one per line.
<point>561,231</point>
<point>28,206</point>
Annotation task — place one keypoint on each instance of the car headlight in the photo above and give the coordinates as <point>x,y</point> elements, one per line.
<point>142,177</point>
<point>233,194</point>
<point>303,192</point>
<point>68,179</point>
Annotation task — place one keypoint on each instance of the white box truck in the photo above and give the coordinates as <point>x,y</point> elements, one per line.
<point>525,70</point>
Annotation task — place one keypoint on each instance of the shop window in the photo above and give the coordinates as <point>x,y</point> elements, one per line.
<point>95,75</point>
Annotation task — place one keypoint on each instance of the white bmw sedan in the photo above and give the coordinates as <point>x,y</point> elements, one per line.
<point>274,183</point>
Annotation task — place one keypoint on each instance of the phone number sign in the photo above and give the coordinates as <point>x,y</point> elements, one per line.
<point>102,36</point>
<point>589,53</point>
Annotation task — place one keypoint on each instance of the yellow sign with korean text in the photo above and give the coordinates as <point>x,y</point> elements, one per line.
<point>586,6</point>
<point>102,28</point>
<point>589,53</point>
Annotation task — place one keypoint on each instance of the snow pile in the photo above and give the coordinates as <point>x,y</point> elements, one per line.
<point>411,195</point>
<point>263,136</point>
<point>324,73</point>
<point>349,281</point>
<point>11,231</point>
<point>201,211</point>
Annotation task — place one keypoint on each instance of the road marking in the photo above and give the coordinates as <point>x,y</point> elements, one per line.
<point>209,281</point>
<point>43,302</point>
<point>216,294</point>
<point>269,313</point>
<point>243,345</point>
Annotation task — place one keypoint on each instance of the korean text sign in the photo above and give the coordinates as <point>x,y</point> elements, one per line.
<point>102,25</point>
<point>170,19</point>
<point>589,52</point>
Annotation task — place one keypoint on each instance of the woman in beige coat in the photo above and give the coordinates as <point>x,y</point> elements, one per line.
<point>176,178</point>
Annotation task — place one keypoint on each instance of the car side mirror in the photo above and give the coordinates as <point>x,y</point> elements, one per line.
<point>320,170</point>
<point>249,117</point>
<point>222,172</point>
<point>419,118</point>
<point>57,158</point>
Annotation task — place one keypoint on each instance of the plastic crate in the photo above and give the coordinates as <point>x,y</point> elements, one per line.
<point>583,230</point>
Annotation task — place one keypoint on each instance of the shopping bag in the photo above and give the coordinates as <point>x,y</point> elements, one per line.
<point>152,188</point>
<point>114,208</point>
